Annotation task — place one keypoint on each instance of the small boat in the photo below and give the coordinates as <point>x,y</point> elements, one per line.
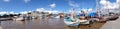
<point>18,18</point>
<point>83,20</point>
<point>69,21</point>
<point>57,17</point>
<point>111,17</point>
<point>102,17</point>
<point>93,17</point>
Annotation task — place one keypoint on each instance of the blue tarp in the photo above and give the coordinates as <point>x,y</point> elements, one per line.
<point>93,14</point>
<point>80,15</point>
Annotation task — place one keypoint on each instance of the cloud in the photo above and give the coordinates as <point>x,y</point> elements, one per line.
<point>109,5</point>
<point>50,11</point>
<point>53,11</point>
<point>118,1</point>
<point>72,3</point>
<point>5,12</point>
<point>52,5</point>
<point>29,11</point>
<point>26,1</point>
<point>40,9</point>
<point>1,13</point>
<point>87,10</point>
<point>12,12</point>
<point>24,12</point>
<point>6,0</point>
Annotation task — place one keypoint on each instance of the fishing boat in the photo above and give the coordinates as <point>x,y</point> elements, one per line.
<point>77,22</point>
<point>60,15</point>
<point>57,17</point>
<point>101,16</point>
<point>22,17</point>
<point>74,21</point>
<point>16,18</point>
<point>71,22</point>
<point>111,17</point>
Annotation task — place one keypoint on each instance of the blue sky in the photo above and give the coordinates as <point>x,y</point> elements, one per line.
<point>60,5</point>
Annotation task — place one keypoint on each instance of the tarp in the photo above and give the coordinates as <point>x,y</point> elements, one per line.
<point>80,15</point>
<point>92,14</point>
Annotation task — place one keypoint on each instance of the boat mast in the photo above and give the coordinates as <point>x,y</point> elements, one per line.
<point>97,8</point>
<point>72,11</point>
<point>107,9</point>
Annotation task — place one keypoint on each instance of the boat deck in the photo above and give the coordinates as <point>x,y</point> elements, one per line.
<point>42,24</point>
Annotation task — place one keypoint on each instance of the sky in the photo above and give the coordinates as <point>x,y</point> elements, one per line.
<point>24,6</point>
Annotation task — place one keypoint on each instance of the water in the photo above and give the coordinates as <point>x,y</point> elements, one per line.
<point>34,24</point>
<point>51,23</point>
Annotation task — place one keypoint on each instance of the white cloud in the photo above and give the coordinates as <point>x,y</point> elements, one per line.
<point>6,0</point>
<point>53,12</point>
<point>52,5</point>
<point>40,9</point>
<point>26,1</point>
<point>24,12</point>
<point>3,13</point>
<point>72,3</point>
<point>109,5</point>
<point>50,11</point>
<point>118,1</point>
<point>90,9</point>
<point>87,10</point>
<point>29,11</point>
<point>12,12</point>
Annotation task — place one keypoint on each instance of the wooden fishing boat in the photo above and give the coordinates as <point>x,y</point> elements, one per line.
<point>17,18</point>
<point>68,22</point>
<point>111,17</point>
<point>76,22</point>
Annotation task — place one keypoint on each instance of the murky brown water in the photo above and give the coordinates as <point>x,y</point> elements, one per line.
<point>38,24</point>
